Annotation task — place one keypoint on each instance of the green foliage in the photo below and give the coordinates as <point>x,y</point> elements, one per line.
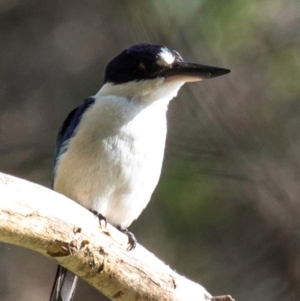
<point>284,72</point>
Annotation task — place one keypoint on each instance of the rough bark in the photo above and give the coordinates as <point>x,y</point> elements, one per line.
<point>42,220</point>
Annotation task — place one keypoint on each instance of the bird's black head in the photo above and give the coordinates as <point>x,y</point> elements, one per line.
<point>146,61</point>
<point>140,62</point>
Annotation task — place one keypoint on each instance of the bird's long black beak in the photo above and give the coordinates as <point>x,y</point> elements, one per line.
<point>189,72</point>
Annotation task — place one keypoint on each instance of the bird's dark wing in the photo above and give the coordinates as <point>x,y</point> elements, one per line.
<point>68,127</point>
<point>65,281</point>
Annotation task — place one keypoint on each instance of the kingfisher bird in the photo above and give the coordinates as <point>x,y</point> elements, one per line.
<point>110,149</point>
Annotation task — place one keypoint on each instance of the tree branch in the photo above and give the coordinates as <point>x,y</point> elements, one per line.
<point>42,220</point>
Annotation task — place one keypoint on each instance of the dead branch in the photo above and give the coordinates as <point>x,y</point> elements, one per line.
<point>42,220</point>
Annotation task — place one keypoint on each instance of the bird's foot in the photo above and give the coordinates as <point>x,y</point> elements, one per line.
<point>101,217</point>
<point>131,238</point>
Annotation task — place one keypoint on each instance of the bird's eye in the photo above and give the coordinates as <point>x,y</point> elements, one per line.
<point>142,66</point>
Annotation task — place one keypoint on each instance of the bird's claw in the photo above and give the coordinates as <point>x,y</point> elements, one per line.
<point>99,216</point>
<point>131,238</point>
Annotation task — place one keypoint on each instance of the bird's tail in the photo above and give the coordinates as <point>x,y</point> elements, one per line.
<point>64,285</point>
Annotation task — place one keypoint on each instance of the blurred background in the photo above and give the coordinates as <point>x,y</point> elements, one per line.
<point>226,212</point>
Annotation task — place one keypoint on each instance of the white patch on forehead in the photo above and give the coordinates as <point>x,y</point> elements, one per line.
<point>165,58</point>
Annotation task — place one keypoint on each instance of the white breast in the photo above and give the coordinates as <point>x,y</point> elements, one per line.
<point>113,162</point>
<point>113,167</point>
